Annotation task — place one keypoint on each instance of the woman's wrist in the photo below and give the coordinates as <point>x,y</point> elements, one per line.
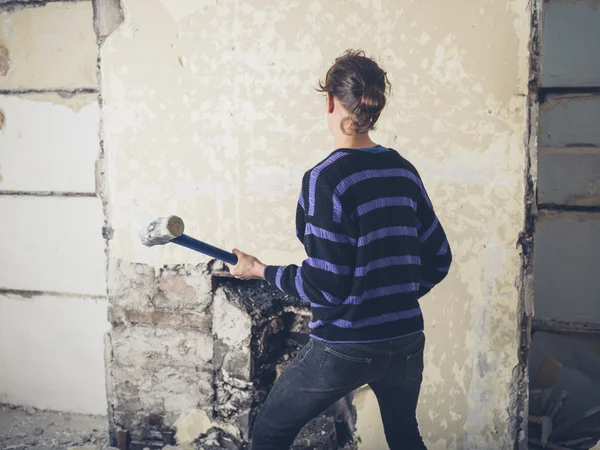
<point>259,270</point>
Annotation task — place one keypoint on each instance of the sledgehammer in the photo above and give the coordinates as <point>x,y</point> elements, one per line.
<point>170,229</point>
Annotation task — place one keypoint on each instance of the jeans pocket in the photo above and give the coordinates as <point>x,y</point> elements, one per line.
<point>304,353</point>
<point>339,370</point>
<point>414,366</point>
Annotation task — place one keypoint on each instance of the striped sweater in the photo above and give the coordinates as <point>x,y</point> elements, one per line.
<point>374,247</point>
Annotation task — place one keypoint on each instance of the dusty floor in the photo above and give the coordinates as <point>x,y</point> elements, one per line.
<point>32,429</point>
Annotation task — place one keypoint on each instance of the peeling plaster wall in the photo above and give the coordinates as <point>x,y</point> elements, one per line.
<point>53,303</point>
<point>209,112</point>
<point>49,47</point>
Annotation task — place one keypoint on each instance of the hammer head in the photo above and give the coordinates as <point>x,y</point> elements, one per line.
<point>162,231</point>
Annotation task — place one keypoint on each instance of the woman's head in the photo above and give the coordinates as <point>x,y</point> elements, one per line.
<point>359,86</point>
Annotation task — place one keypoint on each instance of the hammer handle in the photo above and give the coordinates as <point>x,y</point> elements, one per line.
<point>202,247</point>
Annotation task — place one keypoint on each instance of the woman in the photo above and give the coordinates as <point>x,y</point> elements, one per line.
<point>374,247</point>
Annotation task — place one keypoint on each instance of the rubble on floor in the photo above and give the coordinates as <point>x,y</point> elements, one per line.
<point>564,400</point>
<point>31,429</point>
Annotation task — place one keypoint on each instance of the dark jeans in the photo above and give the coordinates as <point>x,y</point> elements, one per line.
<point>323,373</point>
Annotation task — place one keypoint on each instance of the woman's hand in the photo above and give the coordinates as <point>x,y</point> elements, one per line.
<point>247,267</point>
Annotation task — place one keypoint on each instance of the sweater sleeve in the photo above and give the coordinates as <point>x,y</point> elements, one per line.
<point>436,256</point>
<point>325,276</point>
<point>300,214</point>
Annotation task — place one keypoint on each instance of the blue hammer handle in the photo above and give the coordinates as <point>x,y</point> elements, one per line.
<point>202,247</point>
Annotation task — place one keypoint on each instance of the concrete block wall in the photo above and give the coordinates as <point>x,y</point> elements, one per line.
<point>566,270</point>
<point>53,304</point>
<point>570,50</point>
<point>567,239</point>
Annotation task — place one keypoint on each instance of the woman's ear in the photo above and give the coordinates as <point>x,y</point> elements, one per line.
<point>330,103</point>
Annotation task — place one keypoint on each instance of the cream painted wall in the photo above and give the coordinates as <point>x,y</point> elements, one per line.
<point>210,113</point>
<point>49,143</point>
<point>53,304</point>
<point>52,352</point>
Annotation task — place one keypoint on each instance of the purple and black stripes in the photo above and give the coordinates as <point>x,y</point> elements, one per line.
<point>396,289</point>
<point>381,292</point>
<point>384,202</point>
<point>386,232</point>
<point>362,271</point>
<point>368,321</point>
<point>369,174</point>
<point>314,175</point>
<point>443,249</point>
<point>328,267</point>
<point>328,235</point>
<point>299,284</point>
<point>390,261</point>
<point>341,238</point>
<point>426,284</point>
<point>278,276</point>
<point>423,237</point>
<point>372,252</point>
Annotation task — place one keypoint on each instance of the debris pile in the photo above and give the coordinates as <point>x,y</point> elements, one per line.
<point>29,428</point>
<point>564,396</point>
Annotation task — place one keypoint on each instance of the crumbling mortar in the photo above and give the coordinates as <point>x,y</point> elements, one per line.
<point>567,208</point>
<point>519,392</point>
<point>215,370</point>
<point>545,92</point>
<point>107,234</point>
<point>120,325</point>
<point>46,194</point>
<point>27,294</point>
<point>109,383</point>
<point>62,92</point>
<point>15,5</point>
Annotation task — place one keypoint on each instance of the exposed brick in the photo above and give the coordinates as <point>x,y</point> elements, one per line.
<point>183,288</point>
<point>173,320</point>
<point>139,287</point>
<point>152,347</point>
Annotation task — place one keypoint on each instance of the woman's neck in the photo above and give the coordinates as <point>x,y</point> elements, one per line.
<point>353,140</point>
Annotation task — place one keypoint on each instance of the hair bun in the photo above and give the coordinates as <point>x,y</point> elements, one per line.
<point>373,99</point>
<point>361,87</point>
<point>369,108</point>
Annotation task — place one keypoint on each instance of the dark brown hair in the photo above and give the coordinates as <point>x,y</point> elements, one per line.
<point>360,85</point>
